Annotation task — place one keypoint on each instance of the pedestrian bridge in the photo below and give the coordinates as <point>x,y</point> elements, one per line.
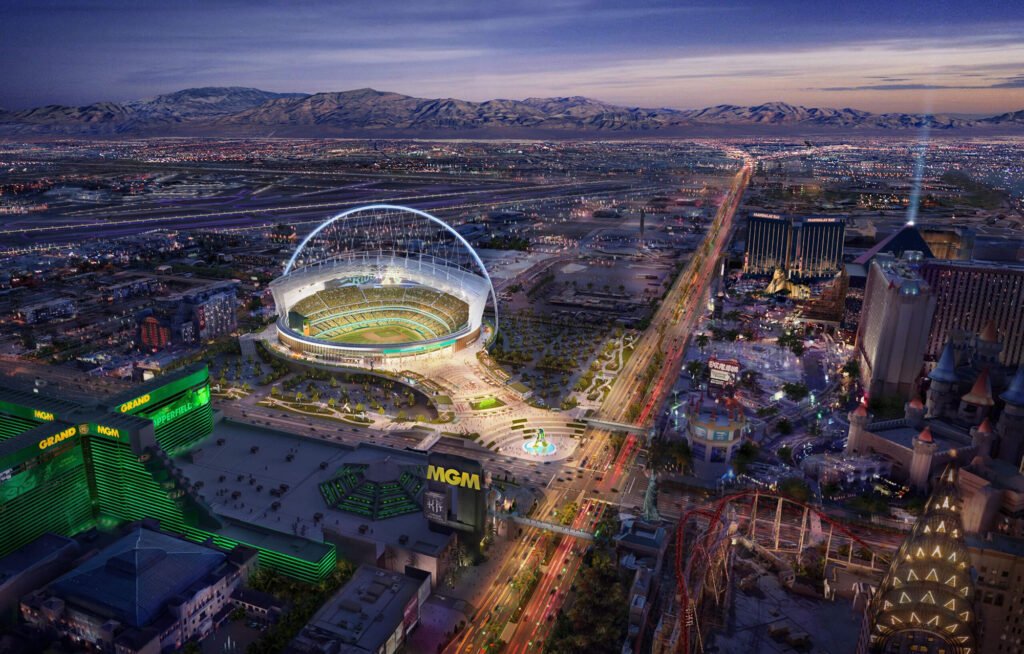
<point>547,526</point>
<point>610,425</point>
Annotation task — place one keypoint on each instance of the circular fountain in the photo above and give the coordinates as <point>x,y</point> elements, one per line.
<point>539,446</point>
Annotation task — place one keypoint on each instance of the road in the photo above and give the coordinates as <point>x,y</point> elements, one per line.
<point>603,472</point>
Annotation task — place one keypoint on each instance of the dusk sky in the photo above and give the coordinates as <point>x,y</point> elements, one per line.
<point>878,55</point>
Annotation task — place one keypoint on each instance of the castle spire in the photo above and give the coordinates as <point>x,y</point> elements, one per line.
<point>928,587</point>
<point>981,393</point>
<point>1015,393</point>
<point>945,369</point>
<point>989,333</point>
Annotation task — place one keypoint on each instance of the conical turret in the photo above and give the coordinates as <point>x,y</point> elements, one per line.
<point>942,392</point>
<point>945,369</point>
<point>1011,421</point>
<point>975,404</point>
<point>1015,393</point>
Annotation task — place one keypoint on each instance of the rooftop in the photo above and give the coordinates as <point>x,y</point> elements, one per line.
<point>996,541</point>
<point>253,461</point>
<point>364,613</point>
<point>33,553</point>
<point>903,240</point>
<point>133,579</point>
<point>644,534</point>
<point>997,472</point>
<point>42,401</point>
<point>901,433</point>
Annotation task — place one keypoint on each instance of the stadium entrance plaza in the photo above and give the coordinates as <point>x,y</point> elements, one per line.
<point>465,380</point>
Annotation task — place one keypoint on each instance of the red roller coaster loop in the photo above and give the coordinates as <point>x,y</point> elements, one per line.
<point>705,544</point>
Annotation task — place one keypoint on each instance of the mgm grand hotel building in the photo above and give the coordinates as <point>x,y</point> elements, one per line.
<point>152,452</point>
<point>67,468</point>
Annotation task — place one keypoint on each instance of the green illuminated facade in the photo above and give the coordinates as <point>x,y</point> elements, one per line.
<point>180,410</point>
<point>351,492</point>
<point>42,490</point>
<point>67,468</point>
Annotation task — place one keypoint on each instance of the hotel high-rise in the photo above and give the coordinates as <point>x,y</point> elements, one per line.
<point>805,247</point>
<point>971,294</point>
<point>893,331</point>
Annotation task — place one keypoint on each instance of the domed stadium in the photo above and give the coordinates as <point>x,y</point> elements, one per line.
<point>381,281</point>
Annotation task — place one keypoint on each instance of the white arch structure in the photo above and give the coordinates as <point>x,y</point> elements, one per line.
<point>395,207</point>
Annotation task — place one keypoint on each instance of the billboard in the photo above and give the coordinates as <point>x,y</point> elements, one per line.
<point>435,505</point>
<point>724,372</point>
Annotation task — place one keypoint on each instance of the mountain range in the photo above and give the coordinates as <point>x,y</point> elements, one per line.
<point>248,112</point>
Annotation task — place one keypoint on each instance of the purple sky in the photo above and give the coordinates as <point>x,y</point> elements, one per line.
<point>892,55</point>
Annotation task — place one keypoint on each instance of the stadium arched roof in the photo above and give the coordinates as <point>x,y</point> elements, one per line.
<point>399,208</point>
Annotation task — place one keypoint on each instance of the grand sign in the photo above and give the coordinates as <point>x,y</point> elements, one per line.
<point>453,477</point>
<point>58,438</point>
<point>134,404</point>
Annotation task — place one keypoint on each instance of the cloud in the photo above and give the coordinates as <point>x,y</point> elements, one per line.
<point>889,87</point>
<point>1012,83</point>
<point>666,53</point>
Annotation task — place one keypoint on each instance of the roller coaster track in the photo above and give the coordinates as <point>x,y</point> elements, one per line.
<point>702,558</point>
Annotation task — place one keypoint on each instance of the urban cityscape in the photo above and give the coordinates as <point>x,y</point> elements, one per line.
<point>367,372</point>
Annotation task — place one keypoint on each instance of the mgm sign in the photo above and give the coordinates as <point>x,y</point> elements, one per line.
<point>453,477</point>
<point>455,495</point>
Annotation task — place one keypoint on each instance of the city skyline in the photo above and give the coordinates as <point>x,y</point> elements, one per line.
<point>915,57</point>
<point>520,327</point>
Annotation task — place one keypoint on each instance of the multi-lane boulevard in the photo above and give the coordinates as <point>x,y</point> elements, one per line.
<point>603,470</point>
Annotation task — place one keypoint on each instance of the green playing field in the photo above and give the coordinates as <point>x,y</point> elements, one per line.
<point>381,334</point>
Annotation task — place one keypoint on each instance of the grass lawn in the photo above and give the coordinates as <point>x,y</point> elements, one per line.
<point>381,334</point>
<point>486,403</point>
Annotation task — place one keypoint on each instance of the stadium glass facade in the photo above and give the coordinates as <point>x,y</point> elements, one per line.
<point>66,468</point>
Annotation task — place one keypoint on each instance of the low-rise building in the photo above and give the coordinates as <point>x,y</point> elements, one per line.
<point>34,565</point>
<point>147,592</point>
<point>714,430</point>
<point>998,561</point>
<point>371,614</point>
<point>641,547</point>
<point>48,311</point>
